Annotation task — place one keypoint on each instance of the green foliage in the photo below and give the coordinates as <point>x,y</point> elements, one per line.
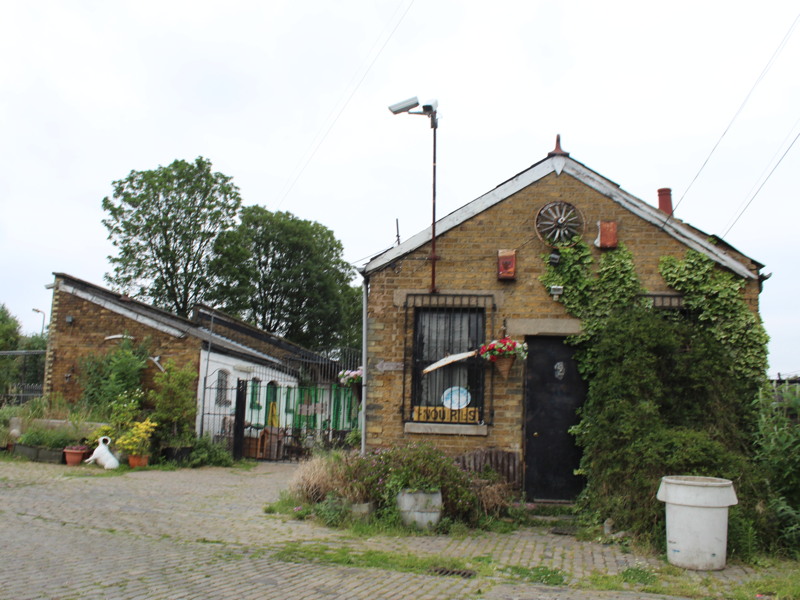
<point>638,575</point>
<point>540,574</point>
<point>778,457</point>
<point>137,439</point>
<point>321,553</point>
<point>713,296</point>
<point>175,404</point>
<point>164,223</point>
<point>683,413</point>
<point>9,329</point>
<point>334,511</point>
<point>591,296</point>
<point>9,340</point>
<point>49,438</point>
<point>778,445</point>
<point>107,377</point>
<point>353,438</point>
<point>206,453</point>
<point>379,475</point>
<point>287,275</point>
<point>669,393</point>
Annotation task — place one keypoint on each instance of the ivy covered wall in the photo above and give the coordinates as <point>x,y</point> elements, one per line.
<point>669,392</point>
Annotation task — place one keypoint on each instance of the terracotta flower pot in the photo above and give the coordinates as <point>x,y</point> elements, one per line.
<point>135,461</point>
<point>74,457</point>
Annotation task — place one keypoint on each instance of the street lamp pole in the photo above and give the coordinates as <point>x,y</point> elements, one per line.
<point>428,110</point>
<point>36,310</point>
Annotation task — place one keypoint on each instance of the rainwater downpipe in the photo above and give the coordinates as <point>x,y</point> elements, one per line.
<point>364,362</point>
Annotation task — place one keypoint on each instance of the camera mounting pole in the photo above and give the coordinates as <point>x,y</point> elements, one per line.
<point>428,110</point>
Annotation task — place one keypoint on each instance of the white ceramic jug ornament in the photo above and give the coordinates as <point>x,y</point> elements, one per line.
<point>102,455</point>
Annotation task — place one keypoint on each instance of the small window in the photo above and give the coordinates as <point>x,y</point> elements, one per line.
<point>222,388</point>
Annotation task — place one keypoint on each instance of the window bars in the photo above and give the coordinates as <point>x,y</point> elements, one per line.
<point>437,326</point>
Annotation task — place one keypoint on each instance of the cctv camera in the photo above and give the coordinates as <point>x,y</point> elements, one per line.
<point>404,106</point>
<point>430,106</point>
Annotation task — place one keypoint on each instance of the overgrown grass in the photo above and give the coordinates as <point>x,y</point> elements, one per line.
<point>784,584</point>
<point>320,553</point>
<point>539,574</point>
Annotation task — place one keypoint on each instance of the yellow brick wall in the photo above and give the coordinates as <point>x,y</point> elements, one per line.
<point>68,344</point>
<point>468,264</point>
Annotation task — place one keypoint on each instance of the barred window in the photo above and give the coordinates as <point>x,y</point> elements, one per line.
<point>222,388</point>
<point>444,326</point>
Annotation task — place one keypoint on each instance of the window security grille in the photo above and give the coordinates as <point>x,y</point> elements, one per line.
<point>438,326</point>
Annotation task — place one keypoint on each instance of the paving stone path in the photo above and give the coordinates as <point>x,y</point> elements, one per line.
<point>75,533</point>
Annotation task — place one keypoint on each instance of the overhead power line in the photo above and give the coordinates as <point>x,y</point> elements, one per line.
<point>758,80</point>
<point>333,118</point>
<point>761,186</point>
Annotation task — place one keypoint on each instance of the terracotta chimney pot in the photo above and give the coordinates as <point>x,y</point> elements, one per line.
<point>665,200</point>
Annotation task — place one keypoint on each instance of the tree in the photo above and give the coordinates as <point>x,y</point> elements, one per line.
<point>9,340</point>
<point>9,329</point>
<point>164,223</point>
<point>287,276</point>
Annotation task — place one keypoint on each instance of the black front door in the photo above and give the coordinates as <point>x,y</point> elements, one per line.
<point>553,392</point>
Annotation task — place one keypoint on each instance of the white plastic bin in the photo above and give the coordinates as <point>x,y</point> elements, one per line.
<point>697,520</point>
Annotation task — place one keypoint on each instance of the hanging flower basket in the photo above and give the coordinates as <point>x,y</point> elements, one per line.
<point>503,353</point>
<point>504,364</point>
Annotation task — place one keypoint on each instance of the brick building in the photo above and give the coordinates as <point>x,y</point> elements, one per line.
<point>489,257</point>
<point>90,320</point>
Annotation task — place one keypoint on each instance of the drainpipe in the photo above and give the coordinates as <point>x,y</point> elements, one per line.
<point>364,362</point>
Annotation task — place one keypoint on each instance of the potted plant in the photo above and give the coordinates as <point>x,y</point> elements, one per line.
<point>503,353</point>
<point>175,410</point>
<point>76,454</point>
<point>136,442</point>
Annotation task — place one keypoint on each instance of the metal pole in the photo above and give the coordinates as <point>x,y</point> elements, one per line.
<point>41,312</point>
<point>433,257</point>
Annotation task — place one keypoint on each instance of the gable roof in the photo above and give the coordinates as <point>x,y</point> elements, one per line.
<point>162,320</point>
<point>559,163</point>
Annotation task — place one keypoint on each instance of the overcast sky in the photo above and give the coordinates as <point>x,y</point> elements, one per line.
<point>290,99</point>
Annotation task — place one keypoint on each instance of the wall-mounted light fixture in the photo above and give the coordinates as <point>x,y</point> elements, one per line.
<point>554,258</point>
<point>556,291</point>
<point>70,320</point>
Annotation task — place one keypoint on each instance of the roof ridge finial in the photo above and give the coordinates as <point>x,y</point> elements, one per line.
<point>557,151</point>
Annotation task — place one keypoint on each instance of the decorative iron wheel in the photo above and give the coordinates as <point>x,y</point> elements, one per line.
<point>559,223</point>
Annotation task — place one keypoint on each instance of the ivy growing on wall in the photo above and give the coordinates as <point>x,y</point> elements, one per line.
<point>591,296</point>
<point>668,392</point>
<point>714,297</point>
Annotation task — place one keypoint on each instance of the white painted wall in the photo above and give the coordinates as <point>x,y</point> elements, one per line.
<point>210,365</point>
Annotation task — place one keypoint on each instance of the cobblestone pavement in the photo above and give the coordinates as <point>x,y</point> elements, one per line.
<point>79,533</point>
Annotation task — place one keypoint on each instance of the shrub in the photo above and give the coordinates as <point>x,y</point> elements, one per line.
<point>48,438</point>
<point>104,377</point>
<point>206,453</point>
<point>379,475</point>
<point>333,511</point>
<point>319,476</point>
<point>338,478</point>
<point>175,404</point>
<point>778,457</point>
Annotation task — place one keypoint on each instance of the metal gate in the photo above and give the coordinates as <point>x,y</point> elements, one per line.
<point>269,418</point>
